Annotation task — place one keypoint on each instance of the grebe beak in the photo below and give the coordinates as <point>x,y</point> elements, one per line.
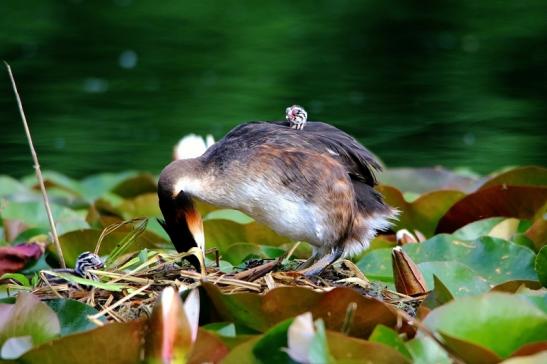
<point>182,223</point>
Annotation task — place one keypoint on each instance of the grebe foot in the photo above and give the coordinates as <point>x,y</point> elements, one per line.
<point>308,262</point>
<point>319,265</point>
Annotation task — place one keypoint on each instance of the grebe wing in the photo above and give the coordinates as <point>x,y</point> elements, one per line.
<point>320,137</point>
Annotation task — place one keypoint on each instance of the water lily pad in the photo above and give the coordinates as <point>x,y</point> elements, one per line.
<point>260,312</point>
<point>76,242</point>
<point>522,202</point>
<point>521,176</point>
<point>474,319</point>
<point>385,335</point>
<point>421,180</point>
<point>112,343</point>
<point>424,213</point>
<point>493,259</point>
<point>72,315</point>
<point>457,277</point>
<point>230,215</point>
<point>28,317</point>
<point>33,214</point>
<point>425,350</point>
<point>135,185</point>
<point>222,234</point>
<point>541,266</point>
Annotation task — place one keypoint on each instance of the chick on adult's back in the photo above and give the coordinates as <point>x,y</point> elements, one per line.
<point>314,185</point>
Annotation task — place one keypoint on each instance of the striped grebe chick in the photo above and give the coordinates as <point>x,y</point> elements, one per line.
<point>85,262</point>
<point>316,186</point>
<point>296,116</point>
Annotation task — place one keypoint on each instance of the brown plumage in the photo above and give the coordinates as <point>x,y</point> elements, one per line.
<point>314,185</point>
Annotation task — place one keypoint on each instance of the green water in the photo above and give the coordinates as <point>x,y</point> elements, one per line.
<point>112,85</point>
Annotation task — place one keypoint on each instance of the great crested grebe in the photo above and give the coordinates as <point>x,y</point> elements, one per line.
<point>296,116</point>
<point>315,186</point>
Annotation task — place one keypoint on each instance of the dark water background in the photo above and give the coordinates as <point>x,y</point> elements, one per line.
<point>112,85</point>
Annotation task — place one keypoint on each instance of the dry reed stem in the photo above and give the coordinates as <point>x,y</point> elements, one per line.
<point>37,169</point>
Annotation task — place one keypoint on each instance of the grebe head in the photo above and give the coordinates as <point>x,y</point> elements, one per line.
<point>86,261</point>
<point>296,116</point>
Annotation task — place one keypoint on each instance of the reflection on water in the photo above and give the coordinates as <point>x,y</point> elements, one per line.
<point>112,85</point>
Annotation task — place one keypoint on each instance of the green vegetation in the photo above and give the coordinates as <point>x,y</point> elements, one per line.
<point>482,256</point>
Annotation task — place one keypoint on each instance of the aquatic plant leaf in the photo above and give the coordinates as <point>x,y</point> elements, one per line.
<point>222,234</point>
<point>72,315</point>
<point>422,180</point>
<point>10,186</point>
<point>493,259</point>
<point>76,242</point>
<point>135,185</point>
<point>470,352</point>
<point>520,176</point>
<point>522,202</point>
<point>476,229</point>
<point>230,215</point>
<point>28,316</point>
<point>239,252</point>
<point>111,343</point>
<point>422,214</point>
<point>260,312</point>
<point>145,205</point>
<point>474,319</point>
<point>425,350</point>
<point>458,278</point>
<point>387,336</point>
<point>33,214</point>
<point>540,265</point>
<point>208,348</point>
<point>15,258</point>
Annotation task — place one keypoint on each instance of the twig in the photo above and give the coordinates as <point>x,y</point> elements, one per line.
<point>37,169</point>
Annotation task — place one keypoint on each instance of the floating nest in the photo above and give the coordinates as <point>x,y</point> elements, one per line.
<point>128,290</point>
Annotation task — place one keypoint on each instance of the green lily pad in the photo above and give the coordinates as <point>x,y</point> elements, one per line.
<point>230,215</point>
<point>458,277</point>
<point>521,176</point>
<point>72,315</point>
<point>422,180</point>
<point>10,186</point>
<point>385,335</point>
<point>135,185</point>
<point>425,350</point>
<point>76,242</point>
<point>476,229</point>
<point>424,213</point>
<point>493,259</point>
<point>541,266</point>
<point>222,234</point>
<point>33,214</point>
<point>475,319</point>
<point>28,317</point>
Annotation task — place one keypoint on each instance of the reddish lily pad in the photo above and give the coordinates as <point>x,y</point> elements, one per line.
<point>522,202</point>
<point>260,312</point>
<point>15,258</point>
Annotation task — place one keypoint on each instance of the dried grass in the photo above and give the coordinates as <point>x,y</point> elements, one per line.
<point>140,282</point>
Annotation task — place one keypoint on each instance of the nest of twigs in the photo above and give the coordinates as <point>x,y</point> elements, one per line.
<point>129,290</point>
